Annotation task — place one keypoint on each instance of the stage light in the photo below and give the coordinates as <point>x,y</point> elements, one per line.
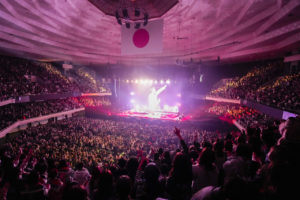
<point>119,21</point>
<point>168,82</point>
<point>136,81</point>
<point>137,25</point>
<point>118,18</point>
<point>151,82</point>
<point>131,93</point>
<point>127,81</point>
<point>155,82</point>
<point>125,13</point>
<point>146,17</point>
<point>179,95</point>
<point>137,12</point>
<point>162,82</point>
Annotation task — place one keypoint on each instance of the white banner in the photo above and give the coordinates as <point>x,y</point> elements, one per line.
<point>145,40</point>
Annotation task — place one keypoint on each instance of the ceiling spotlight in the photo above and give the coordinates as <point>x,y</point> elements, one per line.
<point>130,15</point>
<point>118,18</point>
<point>117,15</point>
<point>146,17</point>
<point>137,25</point>
<point>119,21</point>
<point>137,12</point>
<point>125,13</point>
<point>168,82</point>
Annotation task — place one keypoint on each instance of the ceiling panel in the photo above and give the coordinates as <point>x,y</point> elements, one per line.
<point>77,31</point>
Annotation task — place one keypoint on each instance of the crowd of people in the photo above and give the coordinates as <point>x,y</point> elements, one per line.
<point>82,158</point>
<point>266,85</point>
<point>87,80</point>
<point>21,111</point>
<point>284,93</point>
<point>93,101</point>
<point>20,77</point>
<point>255,78</point>
<point>247,117</point>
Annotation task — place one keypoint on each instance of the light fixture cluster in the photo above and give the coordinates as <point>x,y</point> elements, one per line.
<point>132,16</point>
<point>149,81</point>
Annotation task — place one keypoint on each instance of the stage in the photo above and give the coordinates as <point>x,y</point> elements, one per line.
<point>175,116</point>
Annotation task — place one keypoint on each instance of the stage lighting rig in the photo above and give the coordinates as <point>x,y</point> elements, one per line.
<point>146,17</point>
<point>130,13</point>
<point>137,12</point>
<point>125,13</point>
<point>137,25</point>
<point>133,11</point>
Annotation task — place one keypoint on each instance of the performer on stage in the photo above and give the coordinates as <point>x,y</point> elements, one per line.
<point>153,100</point>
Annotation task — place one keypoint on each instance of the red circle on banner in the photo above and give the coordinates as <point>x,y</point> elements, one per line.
<point>140,38</point>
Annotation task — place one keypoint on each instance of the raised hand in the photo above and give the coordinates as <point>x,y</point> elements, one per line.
<point>177,132</point>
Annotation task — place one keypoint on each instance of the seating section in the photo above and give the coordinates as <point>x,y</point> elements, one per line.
<point>122,158</point>
<point>283,93</point>
<point>266,85</point>
<point>20,77</point>
<point>245,116</point>
<point>13,112</point>
<point>93,101</point>
<point>87,80</point>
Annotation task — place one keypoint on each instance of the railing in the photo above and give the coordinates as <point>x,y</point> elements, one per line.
<point>95,94</point>
<point>44,97</point>
<point>6,102</point>
<point>235,101</point>
<point>238,125</point>
<point>37,119</point>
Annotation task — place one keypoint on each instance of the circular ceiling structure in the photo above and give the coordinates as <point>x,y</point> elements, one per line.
<point>194,30</point>
<point>154,8</point>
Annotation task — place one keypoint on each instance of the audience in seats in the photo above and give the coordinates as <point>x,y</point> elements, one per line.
<point>104,159</point>
<point>266,84</point>
<point>22,111</point>
<point>20,77</point>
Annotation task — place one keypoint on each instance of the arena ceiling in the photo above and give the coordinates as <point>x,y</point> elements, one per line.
<point>194,31</point>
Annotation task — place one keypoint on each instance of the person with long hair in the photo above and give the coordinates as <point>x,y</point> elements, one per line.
<point>205,173</point>
<point>180,178</point>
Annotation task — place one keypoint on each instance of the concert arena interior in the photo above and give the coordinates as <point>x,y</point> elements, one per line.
<point>149,99</point>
